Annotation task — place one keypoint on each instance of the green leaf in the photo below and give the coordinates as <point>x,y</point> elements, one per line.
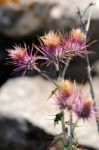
<point>58,118</point>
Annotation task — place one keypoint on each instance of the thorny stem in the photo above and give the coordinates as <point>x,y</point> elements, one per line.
<point>87,58</point>
<point>73,128</point>
<point>91,88</point>
<point>62,118</point>
<point>89,69</point>
<point>57,69</point>
<point>47,77</point>
<point>89,20</point>
<point>90,78</point>
<point>71,131</point>
<point>71,119</point>
<point>81,18</point>
<point>65,68</point>
<point>91,4</point>
<point>63,130</point>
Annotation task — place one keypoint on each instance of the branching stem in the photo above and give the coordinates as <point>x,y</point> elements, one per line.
<point>47,77</point>
<point>65,68</point>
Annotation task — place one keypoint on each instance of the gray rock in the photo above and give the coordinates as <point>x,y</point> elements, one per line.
<point>24,19</point>
<point>18,134</point>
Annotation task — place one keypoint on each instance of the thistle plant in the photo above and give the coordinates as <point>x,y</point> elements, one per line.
<point>58,49</point>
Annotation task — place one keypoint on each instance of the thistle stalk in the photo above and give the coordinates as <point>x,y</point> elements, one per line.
<point>71,132</point>
<point>87,58</point>
<point>62,111</point>
<point>89,69</point>
<point>65,141</point>
<point>47,77</point>
<point>71,121</point>
<point>57,69</point>
<point>86,29</point>
<point>63,131</point>
<point>65,68</point>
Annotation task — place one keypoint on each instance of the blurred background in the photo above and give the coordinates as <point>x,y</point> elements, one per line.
<point>22,21</point>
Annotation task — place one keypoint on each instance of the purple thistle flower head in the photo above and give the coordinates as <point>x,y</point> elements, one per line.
<point>84,108</point>
<point>22,58</point>
<point>75,43</point>
<point>50,47</point>
<point>70,97</point>
<point>65,94</point>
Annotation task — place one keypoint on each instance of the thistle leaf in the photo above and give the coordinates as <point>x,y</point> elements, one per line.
<point>58,118</point>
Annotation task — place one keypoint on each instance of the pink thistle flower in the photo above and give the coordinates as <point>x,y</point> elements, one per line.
<point>84,108</point>
<point>50,47</point>
<point>69,97</point>
<point>65,94</point>
<point>75,43</point>
<point>51,38</point>
<point>22,58</point>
